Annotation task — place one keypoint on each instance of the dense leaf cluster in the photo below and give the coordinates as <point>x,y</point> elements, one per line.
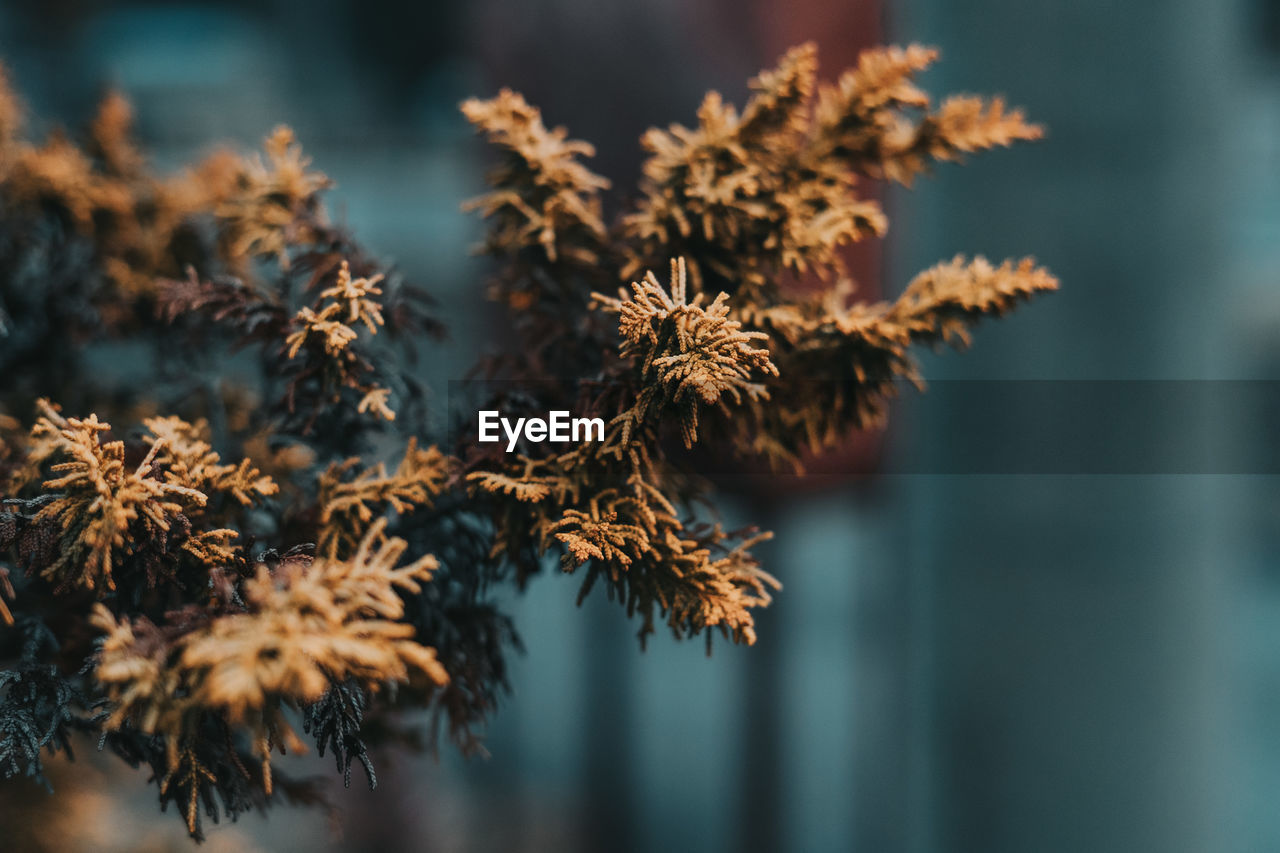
<point>224,524</point>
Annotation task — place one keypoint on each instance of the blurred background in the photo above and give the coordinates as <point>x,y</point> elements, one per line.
<point>1014,659</point>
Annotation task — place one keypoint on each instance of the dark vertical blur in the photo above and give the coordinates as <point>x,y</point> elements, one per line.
<point>1095,643</point>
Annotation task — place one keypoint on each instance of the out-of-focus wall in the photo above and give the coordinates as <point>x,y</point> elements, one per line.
<point>1099,654</point>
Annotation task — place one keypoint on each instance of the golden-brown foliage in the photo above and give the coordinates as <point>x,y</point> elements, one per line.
<point>604,503</point>
<point>686,354</point>
<point>350,503</point>
<point>341,306</point>
<point>99,511</point>
<point>212,633</point>
<point>186,459</point>
<point>305,626</point>
<point>861,352</point>
<point>748,197</point>
<point>275,203</point>
<point>6,591</point>
<point>546,198</point>
<point>322,337</point>
<point>132,217</point>
<point>742,205</point>
<point>656,565</point>
<point>229,596</point>
<point>12,116</point>
<point>866,118</point>
<point>100,507</point>
<point>745,197</point>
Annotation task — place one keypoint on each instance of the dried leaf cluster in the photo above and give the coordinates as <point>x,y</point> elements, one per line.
<point>270,549</point>
<point>754,350</point>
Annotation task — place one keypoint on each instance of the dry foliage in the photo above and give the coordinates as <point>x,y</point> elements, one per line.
<point>246,558</point>
<point>299,630</point>
<point>732,356</point>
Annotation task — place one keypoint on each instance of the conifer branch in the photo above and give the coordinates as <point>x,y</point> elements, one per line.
<point>244,556</point>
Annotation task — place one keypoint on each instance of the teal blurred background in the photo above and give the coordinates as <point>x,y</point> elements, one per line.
<point>956,663</point>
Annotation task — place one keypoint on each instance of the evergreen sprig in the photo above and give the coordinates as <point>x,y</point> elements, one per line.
<point>267,537</point>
